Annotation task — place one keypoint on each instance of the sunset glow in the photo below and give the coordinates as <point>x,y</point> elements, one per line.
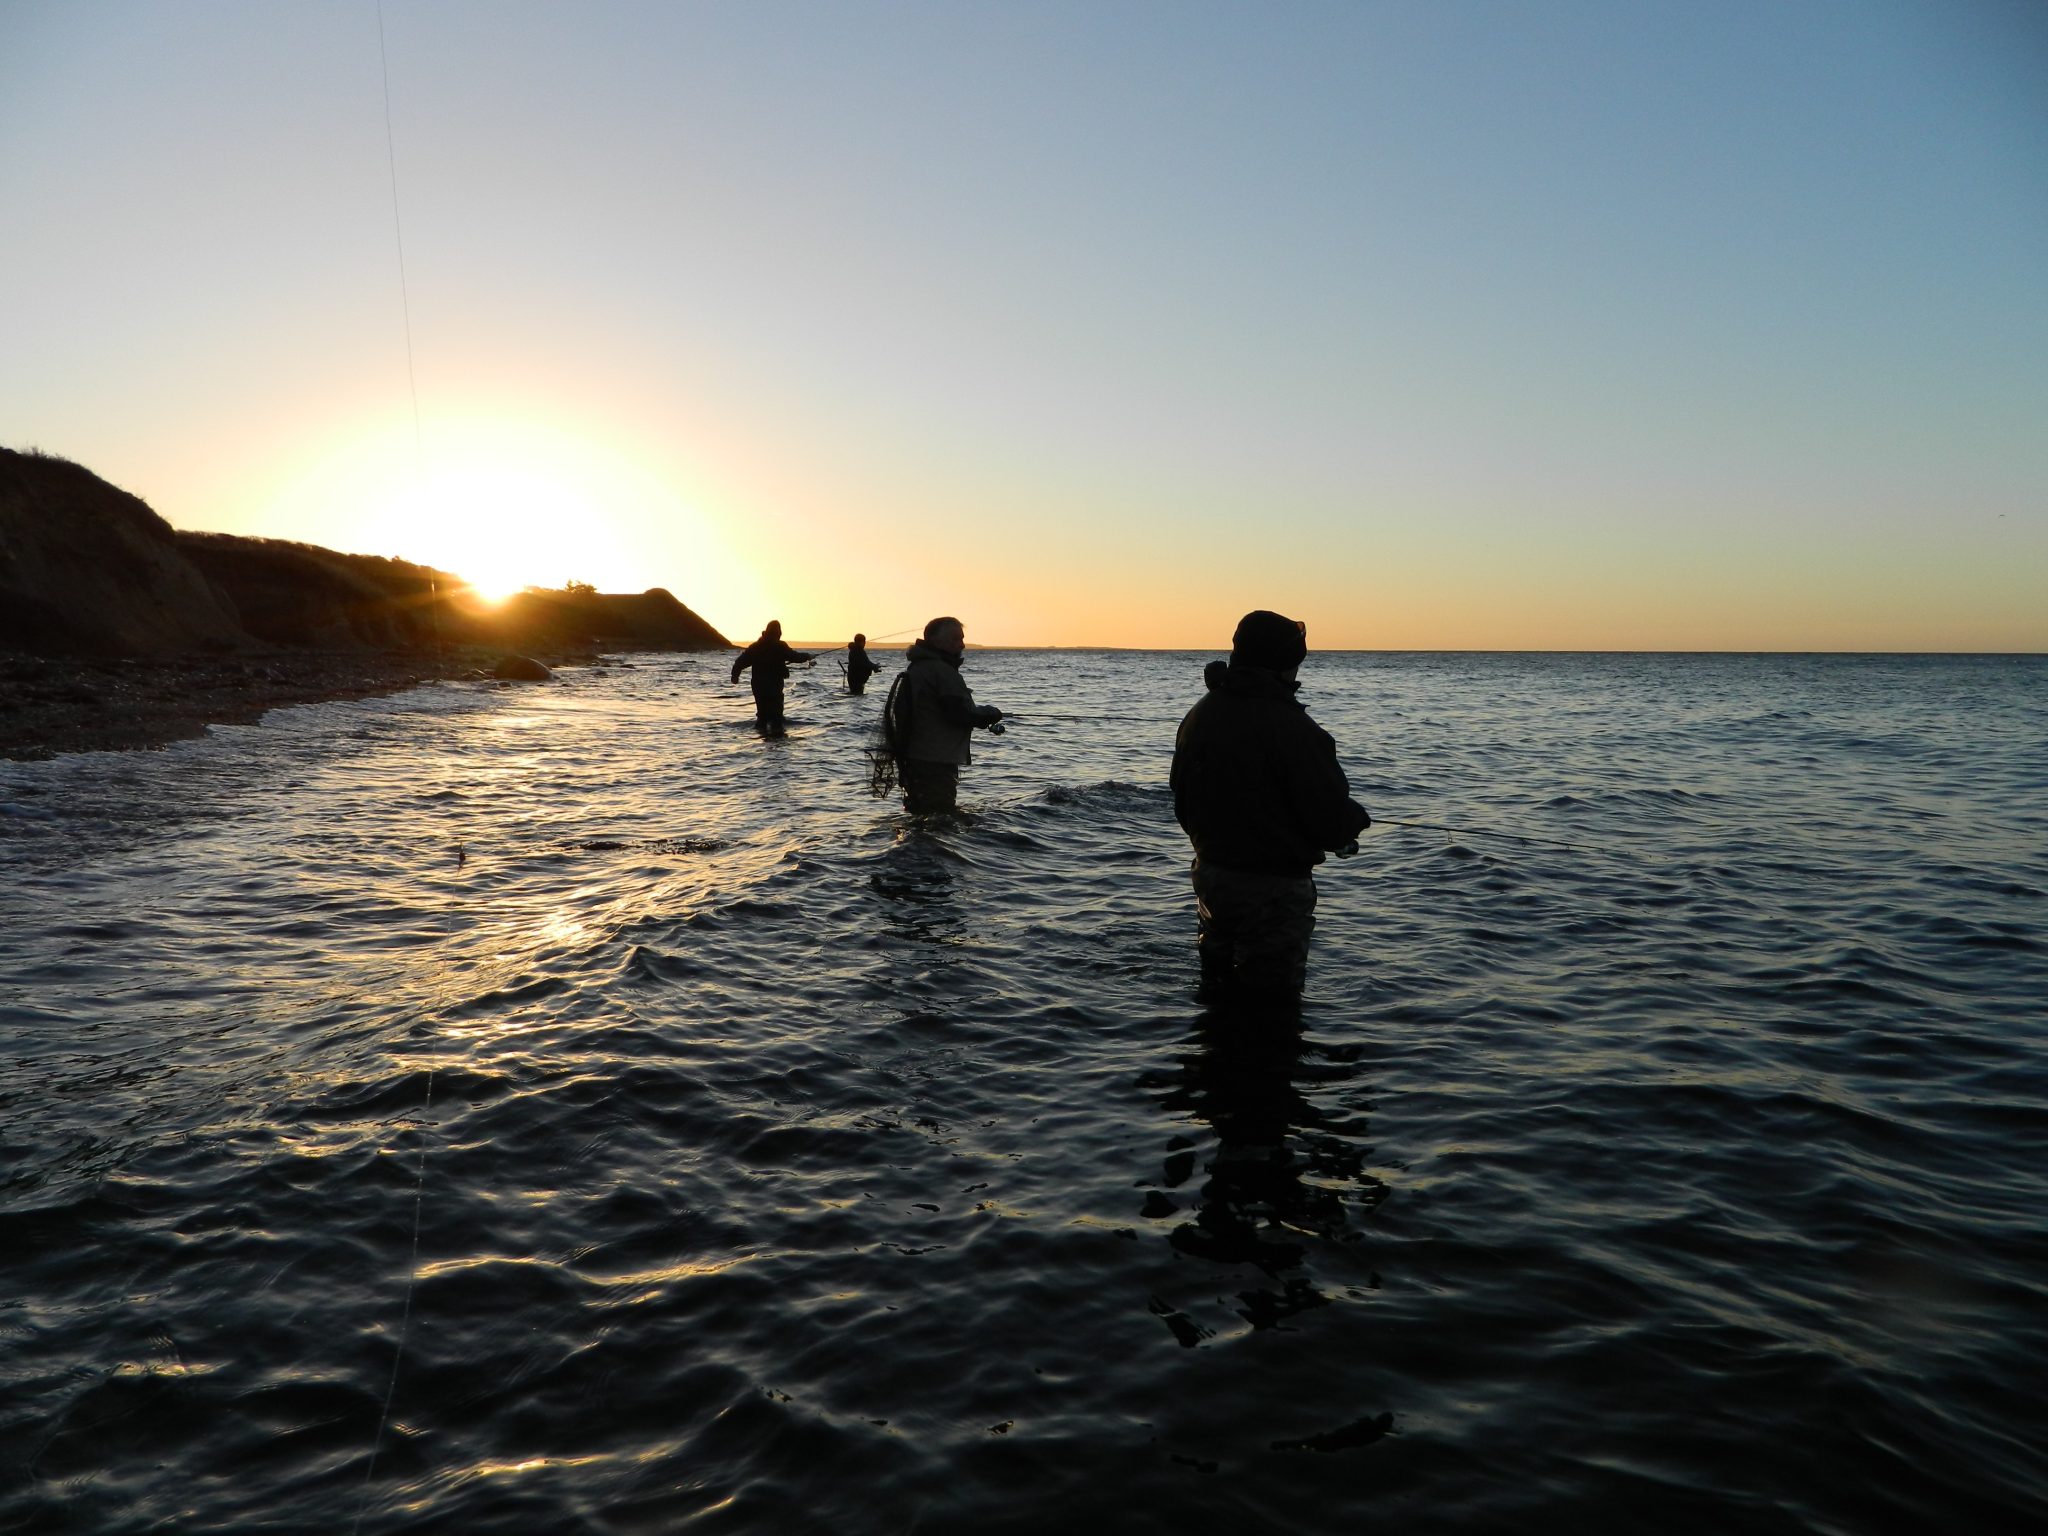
<point>501,528</point>
<point>505,504</point>
<point>1447,326</point>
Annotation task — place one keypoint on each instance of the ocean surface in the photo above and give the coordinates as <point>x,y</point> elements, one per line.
<point>555,1109</point>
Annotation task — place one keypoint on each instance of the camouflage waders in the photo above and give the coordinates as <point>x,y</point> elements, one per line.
<point>1254,928</point>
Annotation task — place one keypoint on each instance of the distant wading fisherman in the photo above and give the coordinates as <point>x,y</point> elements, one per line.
<point>858,667</point>
<point>770,657</point>
<point>1257,788</point>
<point>928,720</point>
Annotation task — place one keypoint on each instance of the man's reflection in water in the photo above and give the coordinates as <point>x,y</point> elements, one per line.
<point>915,881</point>
<point>1284,1171</point>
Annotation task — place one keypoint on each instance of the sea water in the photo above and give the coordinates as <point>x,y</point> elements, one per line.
<point>557,1109</point>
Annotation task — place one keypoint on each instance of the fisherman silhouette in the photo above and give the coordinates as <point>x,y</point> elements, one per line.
<point>858,667</point>
<point>1258,790</point>
<point>769,657</point>
<point>927,721</point>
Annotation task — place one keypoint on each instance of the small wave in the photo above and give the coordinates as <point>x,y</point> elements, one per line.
<point>645,963</point>
<point>508,997</point>
<point>1115,793</point>
<point>664,845</point>
<point>751,907</point>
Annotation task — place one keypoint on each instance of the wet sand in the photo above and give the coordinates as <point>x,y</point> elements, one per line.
<point>77,704</point>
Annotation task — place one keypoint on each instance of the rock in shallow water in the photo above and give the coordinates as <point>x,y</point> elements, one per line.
<point>520,669</point>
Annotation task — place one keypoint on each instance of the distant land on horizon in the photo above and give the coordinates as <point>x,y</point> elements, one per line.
<point>1223,646</point>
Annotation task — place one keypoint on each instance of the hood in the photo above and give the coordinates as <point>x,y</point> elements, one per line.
<point>919,651</point>
<point>1249,682</point>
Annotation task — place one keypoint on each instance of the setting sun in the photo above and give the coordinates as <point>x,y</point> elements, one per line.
<point>504,528</point>
<point>506,509</point>
<point>507,503</point>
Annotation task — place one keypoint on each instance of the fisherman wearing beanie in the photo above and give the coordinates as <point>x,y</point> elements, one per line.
<point>859,665</point>
<point>1258,790</point>
<point>1265,639</point>
<point>770,657</point>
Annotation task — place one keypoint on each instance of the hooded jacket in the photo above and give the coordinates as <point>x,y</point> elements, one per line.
<point>770,657</point>
<point>1256,784</point>
<point>935,709</point>
<point>858,667</point>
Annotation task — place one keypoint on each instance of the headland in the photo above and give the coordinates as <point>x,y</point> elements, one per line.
<point>118,631</point>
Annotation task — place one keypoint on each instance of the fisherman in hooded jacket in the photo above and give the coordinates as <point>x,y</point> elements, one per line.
<point>932,714</point>
<point>1258,790</point>
<point>859,665</point>
<point>770,657</point>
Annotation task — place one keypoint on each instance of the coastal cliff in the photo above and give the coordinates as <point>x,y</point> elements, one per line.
<point>87,568</point>
<point>118,631</point>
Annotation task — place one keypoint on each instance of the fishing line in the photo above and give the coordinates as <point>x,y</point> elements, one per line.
<point>412,1273</point>
<point>398,231</point>
<point>1520,837</point>
<point>419,1193</point>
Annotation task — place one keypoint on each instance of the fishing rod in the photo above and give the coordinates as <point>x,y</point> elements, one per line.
<point>1039,714</point>
<point>1520,837</point>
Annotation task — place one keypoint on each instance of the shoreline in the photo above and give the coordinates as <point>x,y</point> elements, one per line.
<point>50,706</point>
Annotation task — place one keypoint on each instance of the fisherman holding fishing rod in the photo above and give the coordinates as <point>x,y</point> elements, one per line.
<point>857,666</point>
<point>1258,790</point>
<point>769,657</point>
<point>927,722</point>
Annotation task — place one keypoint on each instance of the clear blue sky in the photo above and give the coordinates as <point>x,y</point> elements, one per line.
<point>1492,325</point>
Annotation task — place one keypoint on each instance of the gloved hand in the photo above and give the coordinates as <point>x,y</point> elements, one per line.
<point>987,714</point>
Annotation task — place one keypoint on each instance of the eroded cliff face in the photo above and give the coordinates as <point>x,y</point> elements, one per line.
<point>86,568</point>
<point>303,595</point>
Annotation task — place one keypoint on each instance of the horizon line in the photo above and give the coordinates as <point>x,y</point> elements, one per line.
<point>1447,650</point>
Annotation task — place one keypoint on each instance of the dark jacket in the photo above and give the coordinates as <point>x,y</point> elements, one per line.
<point>770,660</point>
<point>1256,785</point>
<point>934,709</point>
<point>858,667</point>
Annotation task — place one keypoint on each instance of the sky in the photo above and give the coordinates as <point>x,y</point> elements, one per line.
<point>1640,325</point>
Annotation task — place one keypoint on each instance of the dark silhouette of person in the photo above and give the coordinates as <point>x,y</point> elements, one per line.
<point>1257,788</point>
<point>930,716</point>
<point>769,657</point>
<point>858,667</point>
